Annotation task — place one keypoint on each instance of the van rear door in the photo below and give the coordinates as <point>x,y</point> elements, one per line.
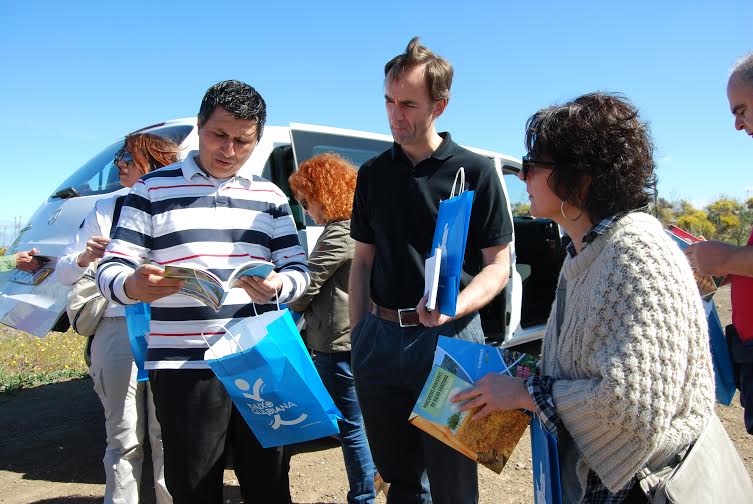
<point>355,146</point>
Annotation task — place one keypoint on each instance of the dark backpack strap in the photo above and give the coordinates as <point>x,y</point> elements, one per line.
<point>116,214</point>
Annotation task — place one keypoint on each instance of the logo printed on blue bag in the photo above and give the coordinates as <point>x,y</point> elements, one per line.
<point>263,407</point>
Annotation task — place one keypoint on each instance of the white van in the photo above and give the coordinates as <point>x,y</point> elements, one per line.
<point>516,316</point>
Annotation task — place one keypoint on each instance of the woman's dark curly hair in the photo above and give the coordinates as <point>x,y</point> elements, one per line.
<point>597,142</point>
<point>329,180</point>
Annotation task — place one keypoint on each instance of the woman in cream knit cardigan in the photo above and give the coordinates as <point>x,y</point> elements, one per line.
<point>626,381</point>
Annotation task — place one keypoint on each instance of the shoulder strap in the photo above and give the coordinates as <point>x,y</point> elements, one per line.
<point>116,214</point>
<point>559,313</point>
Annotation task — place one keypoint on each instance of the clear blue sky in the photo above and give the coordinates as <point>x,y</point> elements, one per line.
<point>78,75</point>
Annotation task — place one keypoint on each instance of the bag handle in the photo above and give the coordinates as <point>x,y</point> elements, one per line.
<point>461,174</point>
<point>219,326</point>
<point>234,337</point>
<point>277,303</point>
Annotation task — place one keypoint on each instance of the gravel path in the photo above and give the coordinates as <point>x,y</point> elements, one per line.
<point>53,440</point>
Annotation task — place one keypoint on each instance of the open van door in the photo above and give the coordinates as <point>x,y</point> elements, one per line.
<point>539,255</point>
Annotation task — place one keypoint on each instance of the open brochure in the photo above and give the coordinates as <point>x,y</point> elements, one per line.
<point>208,288</point>
<point>35,277</point>
<point>457,364</point>
<point>707,284</point>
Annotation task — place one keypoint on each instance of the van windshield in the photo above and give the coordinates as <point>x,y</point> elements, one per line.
<point>100,176</point>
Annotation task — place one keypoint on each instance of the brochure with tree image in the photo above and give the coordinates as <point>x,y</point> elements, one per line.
<point>208,288</point>
<point>457,364</point>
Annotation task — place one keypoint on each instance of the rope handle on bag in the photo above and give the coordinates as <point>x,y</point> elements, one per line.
<point>277,303</point>
<point>235,338</point>
<point>209,347</point>
<point>461,173</point>
<point>224,328</point>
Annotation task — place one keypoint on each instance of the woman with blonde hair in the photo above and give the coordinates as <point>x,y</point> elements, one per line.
<point>324,185</point>
<point>128,405</point>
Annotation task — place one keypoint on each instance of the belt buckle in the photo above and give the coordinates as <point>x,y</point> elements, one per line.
<point>400,312</point>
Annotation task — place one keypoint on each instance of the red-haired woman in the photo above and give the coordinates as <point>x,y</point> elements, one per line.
<point>324,186</point>
<point>127,403</point>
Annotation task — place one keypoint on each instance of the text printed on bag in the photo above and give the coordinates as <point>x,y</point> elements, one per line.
<point>263,407</point>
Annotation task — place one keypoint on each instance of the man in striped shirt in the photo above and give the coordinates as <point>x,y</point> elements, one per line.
<point>208,211</point>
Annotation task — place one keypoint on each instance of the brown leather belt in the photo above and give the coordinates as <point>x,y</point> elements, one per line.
<point>405,317</point>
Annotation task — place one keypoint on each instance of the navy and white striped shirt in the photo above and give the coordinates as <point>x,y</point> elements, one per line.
<point>178,215</point>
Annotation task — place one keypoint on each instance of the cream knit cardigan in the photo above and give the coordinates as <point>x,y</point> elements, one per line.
<point>634,377</point>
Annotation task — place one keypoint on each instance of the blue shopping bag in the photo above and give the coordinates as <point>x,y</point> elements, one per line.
<point>546,467</point>
<point>451,235</point>
<point>138,317</point>
<point>724,376</point>
<point>271,379</point>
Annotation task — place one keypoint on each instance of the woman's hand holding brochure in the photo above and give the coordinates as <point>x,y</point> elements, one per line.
<point>495,392</point>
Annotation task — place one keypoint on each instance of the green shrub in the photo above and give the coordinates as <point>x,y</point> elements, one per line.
<point>28,361</point>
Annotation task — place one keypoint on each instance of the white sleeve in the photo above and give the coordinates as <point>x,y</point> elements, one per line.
<point>127,251</point>
<point>68,270</point>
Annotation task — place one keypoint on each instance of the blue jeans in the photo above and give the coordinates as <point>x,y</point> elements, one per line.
<point>390,365</point>
<point>334,369</point>
<point>741,354</point>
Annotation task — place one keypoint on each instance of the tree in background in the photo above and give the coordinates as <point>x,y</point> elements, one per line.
<point>521,209</point>
<point>695,221</point>
<point>725,219</point>
<point>8,232</point>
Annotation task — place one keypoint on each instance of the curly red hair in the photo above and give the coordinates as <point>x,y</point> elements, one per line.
<point>329,180</point>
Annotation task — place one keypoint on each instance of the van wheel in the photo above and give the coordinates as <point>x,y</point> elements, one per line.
<point>62,324</point>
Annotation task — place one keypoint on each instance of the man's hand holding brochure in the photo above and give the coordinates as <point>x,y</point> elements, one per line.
<point>707,284</point>
<point>208,288</point>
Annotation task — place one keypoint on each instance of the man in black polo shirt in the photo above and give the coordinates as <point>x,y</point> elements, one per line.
<point>393,335</point>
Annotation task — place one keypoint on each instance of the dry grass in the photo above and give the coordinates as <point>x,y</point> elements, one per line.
<point>28,361</point>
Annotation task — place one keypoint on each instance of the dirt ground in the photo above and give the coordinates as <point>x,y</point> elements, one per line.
<point>52,444</point>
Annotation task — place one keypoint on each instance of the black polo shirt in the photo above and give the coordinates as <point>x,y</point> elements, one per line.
<point>395,209</point>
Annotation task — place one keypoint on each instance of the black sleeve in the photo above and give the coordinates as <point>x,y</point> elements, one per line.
<point>491,223</point>
<point>360,226</point>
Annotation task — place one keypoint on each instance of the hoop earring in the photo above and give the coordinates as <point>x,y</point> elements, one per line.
<point>562,211</point>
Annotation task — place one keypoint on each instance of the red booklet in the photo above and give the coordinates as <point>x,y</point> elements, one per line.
<point>681,233</point>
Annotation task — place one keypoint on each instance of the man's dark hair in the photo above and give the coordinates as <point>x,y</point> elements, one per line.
<point>596,137</point>
<point>437,70</point>
<point>239,99</point>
